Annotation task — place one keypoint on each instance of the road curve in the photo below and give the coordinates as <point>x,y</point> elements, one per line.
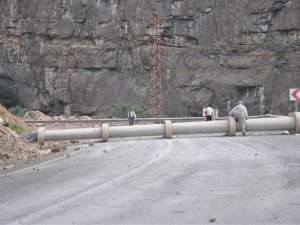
<point>198,180</point>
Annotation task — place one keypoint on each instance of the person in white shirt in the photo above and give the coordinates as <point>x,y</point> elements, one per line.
<point>241,115</point>
<point>209,113</point>
<point>131,116</point>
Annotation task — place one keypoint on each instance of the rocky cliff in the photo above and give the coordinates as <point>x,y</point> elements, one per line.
<point>84,56</point>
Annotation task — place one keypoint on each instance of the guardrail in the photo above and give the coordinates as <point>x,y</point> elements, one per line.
<point>115,120</point>
<point>138,120</point>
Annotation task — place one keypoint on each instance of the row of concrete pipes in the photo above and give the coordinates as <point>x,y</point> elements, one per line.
<point>168,129</point>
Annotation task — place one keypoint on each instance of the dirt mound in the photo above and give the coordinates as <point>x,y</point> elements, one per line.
<point>36,115</point>
<point>15,150</point>
<point>19,149</point>
<point>10,118</point>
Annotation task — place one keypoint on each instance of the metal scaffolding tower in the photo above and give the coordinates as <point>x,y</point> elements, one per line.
<point>155,97</point>
<point>155,101</point>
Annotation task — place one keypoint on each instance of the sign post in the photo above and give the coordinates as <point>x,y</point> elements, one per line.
<point>295,96</point>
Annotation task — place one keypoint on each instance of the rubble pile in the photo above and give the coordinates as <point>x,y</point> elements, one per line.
<point>19,149</point>
<point>36,115</point>
<point>14,150</point>
<point>10,118</point>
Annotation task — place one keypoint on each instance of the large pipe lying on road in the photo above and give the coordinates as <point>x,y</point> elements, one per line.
<point>229,126</point>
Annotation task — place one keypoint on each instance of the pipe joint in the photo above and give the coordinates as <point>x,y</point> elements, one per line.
<point>297,122</point>
<point>231,126</point>
<point>104,132</point>
<point>41,135</point>
<point>168,129</point>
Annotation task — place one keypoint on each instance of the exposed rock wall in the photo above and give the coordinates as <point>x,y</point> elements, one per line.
<point>86,55</point>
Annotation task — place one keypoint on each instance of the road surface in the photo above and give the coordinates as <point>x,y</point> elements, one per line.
<point>185,180</point>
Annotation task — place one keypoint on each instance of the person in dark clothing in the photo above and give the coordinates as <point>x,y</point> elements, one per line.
<point>131,116</point>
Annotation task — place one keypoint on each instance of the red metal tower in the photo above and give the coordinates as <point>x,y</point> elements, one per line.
<point>155,101</point>
<point>155,77</point>
<point>155,98</point>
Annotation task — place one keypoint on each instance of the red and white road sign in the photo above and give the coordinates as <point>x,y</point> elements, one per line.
<point>295,94</point>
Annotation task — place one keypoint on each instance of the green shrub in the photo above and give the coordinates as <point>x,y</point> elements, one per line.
<point>18,111</point>
<point>16,128</point>
<point>121,110</point>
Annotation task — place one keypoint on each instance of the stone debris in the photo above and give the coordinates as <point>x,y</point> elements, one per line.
<point>3,122</point>
<point>55,149</point>
<point>212,220</point>
<point>14,150</point>
<point>74,141</point>
<point>12,119</point>
<point>61,117</point>
<point>85,118</point>
<point>36,115</point>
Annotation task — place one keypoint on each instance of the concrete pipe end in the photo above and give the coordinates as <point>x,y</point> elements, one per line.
<point>41,135</point>
<point>231,126</point>
<point>168,129</point>
<point>296,115</point>
<point>104,132</point>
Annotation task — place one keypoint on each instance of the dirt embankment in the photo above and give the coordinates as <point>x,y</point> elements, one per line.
<point>16,149</point>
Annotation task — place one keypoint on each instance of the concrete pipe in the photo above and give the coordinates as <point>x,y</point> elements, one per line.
<point>200,127</point>
<point>105,132</point>
<point>168,129</point>
<point>137,130</point>
<point>68,134</point>
<point>270,124</point>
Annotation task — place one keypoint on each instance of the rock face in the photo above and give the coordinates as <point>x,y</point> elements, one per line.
<point>84,56</point>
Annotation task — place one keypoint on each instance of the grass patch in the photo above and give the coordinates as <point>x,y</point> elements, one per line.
<point>18,111</point>
<point>12,119</point>
<point>16,128</point>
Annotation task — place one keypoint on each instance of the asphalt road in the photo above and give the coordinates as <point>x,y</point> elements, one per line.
<point>198,180</point>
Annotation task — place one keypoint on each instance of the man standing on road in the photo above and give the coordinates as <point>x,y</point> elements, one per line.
<point>241,115</point>
<point>131,116</point>
<point>209,113</point>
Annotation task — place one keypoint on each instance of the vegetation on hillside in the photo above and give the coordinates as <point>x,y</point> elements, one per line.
<point>18,111</point>
<point>16,123</point>
<point>120,110</point>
